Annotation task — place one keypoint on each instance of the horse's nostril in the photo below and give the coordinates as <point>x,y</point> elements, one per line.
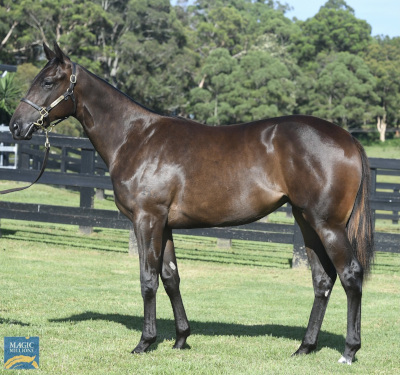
<point>15,129</point>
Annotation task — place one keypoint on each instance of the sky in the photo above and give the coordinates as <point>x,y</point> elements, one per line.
<point>382,15</point>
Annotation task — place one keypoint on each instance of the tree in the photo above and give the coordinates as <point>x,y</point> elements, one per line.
<point>343,90</point>
<point>267,87</point>
<point>245,69</point>
<point>269,18</point>
<point>257,85</point>
<point>333,29</point>
<point>155,66</point>
<point>210,102</point>
<point>383,60</point>
<point>236,25</point>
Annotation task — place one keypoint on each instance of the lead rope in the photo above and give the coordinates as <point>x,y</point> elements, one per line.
<point>46,156</point>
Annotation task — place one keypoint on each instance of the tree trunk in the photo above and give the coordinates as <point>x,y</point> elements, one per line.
<point>381,125</point>
<point>216,110</point>
<point>201,84</point>
<point>4,41</point>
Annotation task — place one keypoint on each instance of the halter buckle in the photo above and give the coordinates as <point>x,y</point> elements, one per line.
<point>47,142</point>
<point>43,112</point>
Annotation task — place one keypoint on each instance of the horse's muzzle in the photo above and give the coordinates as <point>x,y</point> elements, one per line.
<point>20,133</point>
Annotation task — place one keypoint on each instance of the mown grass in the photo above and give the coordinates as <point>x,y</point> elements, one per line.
<point>389,149</point>
<point>81,296</point>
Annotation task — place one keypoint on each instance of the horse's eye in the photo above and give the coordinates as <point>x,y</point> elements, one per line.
<point>47,84</point>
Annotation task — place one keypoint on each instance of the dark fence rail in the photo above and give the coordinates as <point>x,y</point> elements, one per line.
<point>74,163</point>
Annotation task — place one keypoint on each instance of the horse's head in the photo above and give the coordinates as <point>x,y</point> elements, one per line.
<point>51,96</point>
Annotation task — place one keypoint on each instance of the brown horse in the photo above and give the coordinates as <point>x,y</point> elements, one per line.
<point>170,172</point>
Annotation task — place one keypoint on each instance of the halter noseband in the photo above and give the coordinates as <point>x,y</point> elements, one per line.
<point>44,111</point>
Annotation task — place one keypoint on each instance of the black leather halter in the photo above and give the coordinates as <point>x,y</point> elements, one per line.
<point>44,111</point>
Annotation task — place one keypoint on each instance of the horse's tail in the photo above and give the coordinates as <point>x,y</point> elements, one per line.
<point>359,226</point>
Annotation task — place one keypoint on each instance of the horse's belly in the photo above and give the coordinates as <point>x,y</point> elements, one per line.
<point>223,207</point>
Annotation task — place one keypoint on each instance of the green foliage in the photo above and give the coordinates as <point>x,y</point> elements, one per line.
<point>155,65</point>
<point>382,58</point>
<point>25,74</point>
<point>9,95</point>
<point>343,90</point>
<point>211,102</point>
<point>333,29</point>
<point>220,61</point>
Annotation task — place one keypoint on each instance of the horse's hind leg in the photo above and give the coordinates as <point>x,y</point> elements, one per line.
<point>350,272</point>
<point>323,276</point>
<point>171,281</point>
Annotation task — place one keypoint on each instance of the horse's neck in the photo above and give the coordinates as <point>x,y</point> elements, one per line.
<point>108,116</point>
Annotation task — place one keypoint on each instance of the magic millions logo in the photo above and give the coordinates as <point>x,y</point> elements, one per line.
<point>21,353</point>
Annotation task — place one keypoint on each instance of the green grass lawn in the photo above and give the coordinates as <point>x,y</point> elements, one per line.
<point>389,149</point>
<point>81,296</point>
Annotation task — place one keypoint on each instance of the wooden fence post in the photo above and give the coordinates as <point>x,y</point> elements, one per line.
<point>299,250</point>
<point>86,194</point>
<point>224,243</point>
<point>23,159</point>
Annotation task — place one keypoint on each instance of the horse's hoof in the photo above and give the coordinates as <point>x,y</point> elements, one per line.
<point>346,361</point>
<point>180,343</point>
<point>138,350</point>
<point>141,347</point>
<point>304,350</point>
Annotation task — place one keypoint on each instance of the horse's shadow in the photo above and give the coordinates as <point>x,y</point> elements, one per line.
<point>166,328</point>
<point>6,321</point>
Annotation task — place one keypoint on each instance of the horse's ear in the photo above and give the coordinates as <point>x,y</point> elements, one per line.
<point>48,52</point>
<point>61,56</point>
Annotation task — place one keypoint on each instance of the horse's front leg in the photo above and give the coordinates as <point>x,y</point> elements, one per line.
<point>149,233</point>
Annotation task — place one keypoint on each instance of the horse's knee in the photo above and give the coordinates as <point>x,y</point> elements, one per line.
<point>323,285</point>
<point>149,287</point>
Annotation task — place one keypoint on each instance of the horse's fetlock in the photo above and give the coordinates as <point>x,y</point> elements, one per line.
<point>184,332</point>
<point>149,339</point>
